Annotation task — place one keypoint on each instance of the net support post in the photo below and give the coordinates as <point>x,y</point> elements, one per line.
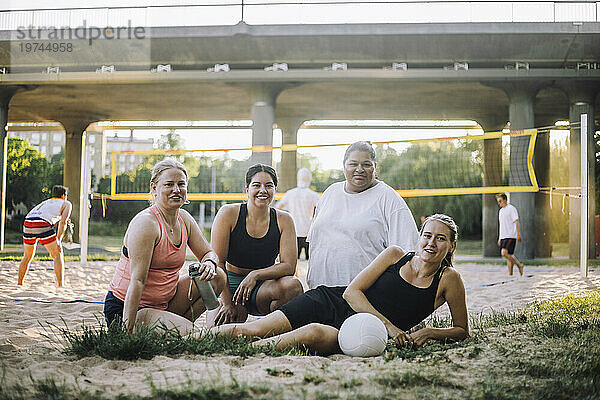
<point>85,207</point>
<point>583,129</point>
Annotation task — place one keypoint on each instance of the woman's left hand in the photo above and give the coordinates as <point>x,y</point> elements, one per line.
<point>242,294</point>
<point>420,337</point>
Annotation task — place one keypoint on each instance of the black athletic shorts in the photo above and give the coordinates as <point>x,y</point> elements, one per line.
<point>113,308</point>
<point>508,244</point>
<point>323,305</point>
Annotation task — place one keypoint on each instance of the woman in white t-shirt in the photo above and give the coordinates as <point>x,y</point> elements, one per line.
<point>356,220</point>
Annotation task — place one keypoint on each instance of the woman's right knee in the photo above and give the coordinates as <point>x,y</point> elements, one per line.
<point>313,332</point>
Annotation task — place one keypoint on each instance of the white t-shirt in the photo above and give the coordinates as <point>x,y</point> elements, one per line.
<point>507,217</point>
<point>300,203</point>
<point>48,210</point>
<point>350,230</point>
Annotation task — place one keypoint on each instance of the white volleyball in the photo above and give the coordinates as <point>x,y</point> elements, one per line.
<point>362,335</point>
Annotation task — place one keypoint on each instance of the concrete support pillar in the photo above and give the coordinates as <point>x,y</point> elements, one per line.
<point>262,112</point>
<point>582,97</point>
<point>521,96</point>
<point>289,155</point>
<point>520,113</point>
<point>5,95</point>
<point>73,172</point>
<point>492,176</point>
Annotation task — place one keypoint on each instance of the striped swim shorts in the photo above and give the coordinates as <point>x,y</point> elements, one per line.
<point>35,229</point>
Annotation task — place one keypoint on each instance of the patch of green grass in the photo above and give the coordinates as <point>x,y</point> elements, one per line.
<point>353,382</point>
<point>469,248</point>
<point>396,380</point>
<point>313,378</point>
<point>565,316</point>
<point>107,228</point>
<point>115,343</point>
<point>497,318</point>
<point>279,372</point>
<point>559,359</point>
<point>233,391</point>
<point>49,389</point>
<point>409,353</point>
<point>326,396</point>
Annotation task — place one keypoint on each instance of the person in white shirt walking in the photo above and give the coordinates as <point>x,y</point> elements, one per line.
<point>510,232</point>
<point>300,202</point>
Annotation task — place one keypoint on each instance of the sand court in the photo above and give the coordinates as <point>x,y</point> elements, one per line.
<point>25,312</point>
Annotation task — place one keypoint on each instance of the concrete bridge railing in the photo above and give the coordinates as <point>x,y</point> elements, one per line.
<point>268,12</point>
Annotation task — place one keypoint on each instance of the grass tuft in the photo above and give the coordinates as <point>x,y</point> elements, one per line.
<point>396,380</point>
<point>115,343</point>
<point>565,316</point>
<point>49,389</point>
<point>392,352</point>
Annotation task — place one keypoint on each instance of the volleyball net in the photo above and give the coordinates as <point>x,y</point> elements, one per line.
<point>473,164</point>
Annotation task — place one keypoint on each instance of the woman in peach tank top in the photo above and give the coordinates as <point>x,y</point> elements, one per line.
<point>147,287</point>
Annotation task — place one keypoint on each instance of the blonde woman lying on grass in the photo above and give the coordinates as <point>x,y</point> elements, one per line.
<point>399,288</point>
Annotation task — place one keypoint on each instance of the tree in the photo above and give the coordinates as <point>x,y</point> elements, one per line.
<point>26,174</point>
<point>56,170</point>
<point>432,166</point>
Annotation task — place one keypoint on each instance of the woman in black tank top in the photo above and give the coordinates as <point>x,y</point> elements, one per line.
<point>401,289</point>
<point>248,238</point>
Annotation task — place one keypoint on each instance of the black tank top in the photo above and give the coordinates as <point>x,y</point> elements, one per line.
<point>246,251</point>
<point>403,304</point>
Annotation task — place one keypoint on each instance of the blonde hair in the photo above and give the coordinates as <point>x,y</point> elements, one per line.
<point>449,222</point>
<point>161,167</point>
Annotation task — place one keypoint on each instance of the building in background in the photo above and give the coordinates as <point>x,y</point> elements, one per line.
<point>49,139</point>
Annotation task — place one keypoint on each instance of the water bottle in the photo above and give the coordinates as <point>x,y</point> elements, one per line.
<point>204,288</point>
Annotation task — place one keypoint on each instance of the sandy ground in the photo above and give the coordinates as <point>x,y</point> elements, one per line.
<point>25,349</point>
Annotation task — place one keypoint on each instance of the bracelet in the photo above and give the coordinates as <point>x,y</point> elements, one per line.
<point>212,261</point>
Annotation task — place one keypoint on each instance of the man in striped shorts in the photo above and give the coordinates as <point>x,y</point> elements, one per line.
<point>39,226</point>
<point>510,233</point>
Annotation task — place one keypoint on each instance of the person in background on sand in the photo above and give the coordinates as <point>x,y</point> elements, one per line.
<point>510,232</point>
<point>399,288</point>
<point>147,287</point>
<point>300,202</point>
<point>247,238</point>
<point>39,226</point>
<point>356,220</point>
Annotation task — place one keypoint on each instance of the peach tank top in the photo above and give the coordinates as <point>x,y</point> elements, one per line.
<point>163,275</point>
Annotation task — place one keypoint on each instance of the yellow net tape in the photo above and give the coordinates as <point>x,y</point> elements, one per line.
<point>532,187</point>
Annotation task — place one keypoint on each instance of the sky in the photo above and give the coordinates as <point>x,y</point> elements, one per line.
<point>222,12</point>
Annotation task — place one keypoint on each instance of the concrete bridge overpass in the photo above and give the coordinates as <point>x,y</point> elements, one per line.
<point>530,74</point>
